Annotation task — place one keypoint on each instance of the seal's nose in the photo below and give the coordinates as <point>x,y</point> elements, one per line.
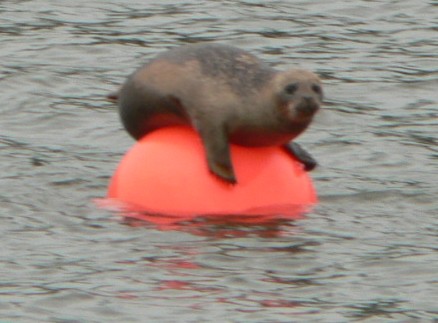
<point>308,105</point>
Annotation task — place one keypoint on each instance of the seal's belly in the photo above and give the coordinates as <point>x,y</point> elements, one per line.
<point>254,138</point>
<point>164,120</point>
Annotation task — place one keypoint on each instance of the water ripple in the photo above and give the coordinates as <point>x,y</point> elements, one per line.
<point>367,252</point>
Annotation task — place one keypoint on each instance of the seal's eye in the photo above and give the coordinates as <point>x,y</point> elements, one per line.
<point>316,88</point>
<point>291,88</point>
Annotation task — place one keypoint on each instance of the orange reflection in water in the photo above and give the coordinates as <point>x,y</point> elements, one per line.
<point>195,223</point>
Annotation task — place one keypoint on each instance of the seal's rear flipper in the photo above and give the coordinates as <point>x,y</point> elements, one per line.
<point>113,97</point>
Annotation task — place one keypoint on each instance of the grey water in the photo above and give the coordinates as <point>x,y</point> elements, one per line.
<point>366,253</point>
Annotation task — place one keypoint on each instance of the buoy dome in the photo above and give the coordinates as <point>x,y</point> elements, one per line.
<point>166,173</point>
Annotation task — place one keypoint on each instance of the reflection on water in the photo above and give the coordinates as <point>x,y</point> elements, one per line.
<point>194,222</point>
<point>217,227</point>
<point>366,253</point>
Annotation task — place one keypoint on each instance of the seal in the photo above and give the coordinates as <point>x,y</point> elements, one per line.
<point>227,95</point>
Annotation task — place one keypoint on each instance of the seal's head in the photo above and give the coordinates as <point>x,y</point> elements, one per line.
<point>299,96</point>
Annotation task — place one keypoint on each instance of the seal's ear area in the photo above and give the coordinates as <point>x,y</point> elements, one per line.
<point>317,88</point>
<point>113,97</point>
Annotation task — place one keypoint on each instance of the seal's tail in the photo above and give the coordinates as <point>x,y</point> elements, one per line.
<point>113,97</point>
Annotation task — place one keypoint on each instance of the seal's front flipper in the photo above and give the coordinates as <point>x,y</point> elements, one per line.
<point>303,156</point>
<point>218,153</point>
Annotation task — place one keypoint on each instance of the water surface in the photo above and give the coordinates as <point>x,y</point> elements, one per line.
<point>367,253</point>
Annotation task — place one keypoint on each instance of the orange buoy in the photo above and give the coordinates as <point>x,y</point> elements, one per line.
<point>166,173</point>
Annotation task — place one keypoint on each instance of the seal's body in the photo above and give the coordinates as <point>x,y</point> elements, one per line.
<point>226,94</point>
